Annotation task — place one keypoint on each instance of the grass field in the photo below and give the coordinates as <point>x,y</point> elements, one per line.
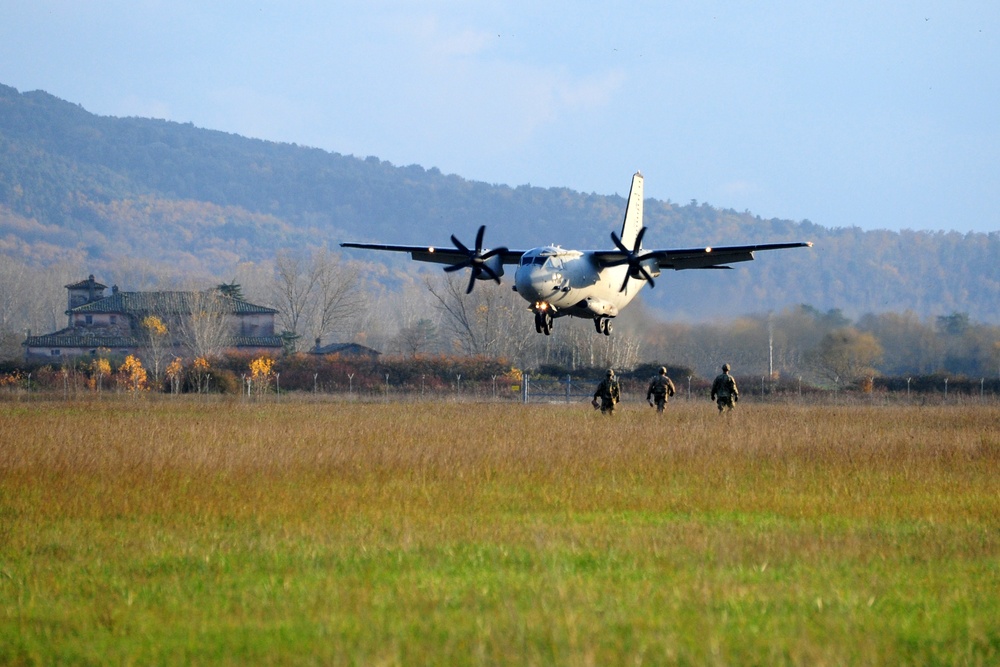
<point>156,531</point>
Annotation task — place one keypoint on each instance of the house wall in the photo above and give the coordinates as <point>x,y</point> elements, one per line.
<point>100,321</point>
<point>69,353</point>
<point>260,324</point>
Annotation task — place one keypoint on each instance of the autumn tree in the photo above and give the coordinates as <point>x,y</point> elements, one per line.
<point>175,374</point>
<point>100,368</point>
<point>846,355</point>
<point>260,374</point>
<point>132,374</point>
<point>157,342</point>
<point>201,374</point>
<point>910,346</point>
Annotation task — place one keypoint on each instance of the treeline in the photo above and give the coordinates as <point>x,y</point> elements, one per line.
<point>430,377</point>
<point>828,349</point>
<point>76,188</point>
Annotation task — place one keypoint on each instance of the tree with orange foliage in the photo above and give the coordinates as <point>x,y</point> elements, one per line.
<point>201,371</point>
<point>175,372</point>
<point>260,374</point>
<point>133,374</point>
<point>99,369</point>
<point>157,340</point>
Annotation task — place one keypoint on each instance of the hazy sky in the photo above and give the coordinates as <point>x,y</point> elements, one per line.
<point>852,113</point>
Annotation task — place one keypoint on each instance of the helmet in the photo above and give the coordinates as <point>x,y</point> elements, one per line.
<point>725,368</point>
<point>663,370</point>
<point>611,373</point>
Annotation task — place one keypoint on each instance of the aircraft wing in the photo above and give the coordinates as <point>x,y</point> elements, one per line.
<point>697,258</point>
<point>423,253</point>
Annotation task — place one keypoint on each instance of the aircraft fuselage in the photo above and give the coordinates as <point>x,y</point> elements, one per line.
<point>570,282</point>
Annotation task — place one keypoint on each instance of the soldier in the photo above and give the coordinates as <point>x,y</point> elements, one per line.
<point>609,392</point>
<point>660,389</point>
<point>724,390</point>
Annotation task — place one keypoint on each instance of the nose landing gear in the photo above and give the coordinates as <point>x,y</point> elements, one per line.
<point>543,321</point>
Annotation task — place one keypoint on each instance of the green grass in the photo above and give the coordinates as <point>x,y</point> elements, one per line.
<point>298,532</point>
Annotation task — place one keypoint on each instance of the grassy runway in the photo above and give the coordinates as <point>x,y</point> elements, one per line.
<point>296,532</point>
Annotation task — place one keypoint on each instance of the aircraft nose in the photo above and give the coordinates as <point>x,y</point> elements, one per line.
<point>535,283</point>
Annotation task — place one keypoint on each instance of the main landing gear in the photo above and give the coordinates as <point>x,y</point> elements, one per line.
<point>603,325</point>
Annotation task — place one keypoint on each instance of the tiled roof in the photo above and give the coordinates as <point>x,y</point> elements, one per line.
<point>345,349</point>
<point>255,341</point>
<point>77,338</point>
<point>87,284</point>
<point>140,303</point>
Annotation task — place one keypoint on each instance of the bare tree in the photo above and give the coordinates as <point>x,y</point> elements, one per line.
<point>420,336</point>
<point>314,295</point>
<point>484,322</point>
<point>205,326</point>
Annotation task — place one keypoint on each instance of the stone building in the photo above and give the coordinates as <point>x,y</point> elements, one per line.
<point>98,321</point>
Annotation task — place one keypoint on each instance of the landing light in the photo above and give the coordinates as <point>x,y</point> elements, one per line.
<point>431,249</point>
<point>708,249</point>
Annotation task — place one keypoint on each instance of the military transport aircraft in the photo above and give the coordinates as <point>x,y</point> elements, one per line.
<point>594,284</point>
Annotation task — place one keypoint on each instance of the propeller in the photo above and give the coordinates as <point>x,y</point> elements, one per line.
<point>633,258</point>
<point>477,259</point>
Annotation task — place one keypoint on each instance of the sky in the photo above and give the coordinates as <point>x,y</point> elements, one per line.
<point>878,115</point>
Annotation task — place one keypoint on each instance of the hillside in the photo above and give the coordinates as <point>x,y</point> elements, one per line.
<point>91,190</point>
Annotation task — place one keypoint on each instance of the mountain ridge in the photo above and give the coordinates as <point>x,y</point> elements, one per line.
<point>92,189</point>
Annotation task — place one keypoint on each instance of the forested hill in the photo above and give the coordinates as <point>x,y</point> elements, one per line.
<point>93,191</point>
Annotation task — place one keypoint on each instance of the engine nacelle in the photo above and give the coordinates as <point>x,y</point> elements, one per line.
<point>495,263</point>
<point>600,307</point>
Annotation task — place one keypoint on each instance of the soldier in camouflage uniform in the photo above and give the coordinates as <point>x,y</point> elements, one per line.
<point>660,389</point>
<point>724,390</point>
<point>609,392</point>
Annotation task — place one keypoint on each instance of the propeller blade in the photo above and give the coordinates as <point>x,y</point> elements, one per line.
<point>618,243</point>
<point>633,258</point>
<point>495,251</point>
<point>628,275</point>
<point>485,268</point>
<point>645,274</point>
<point>638,240</point>
<point>476,259</point>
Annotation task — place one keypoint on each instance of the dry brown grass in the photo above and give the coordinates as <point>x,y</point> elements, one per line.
<point>694,528</point>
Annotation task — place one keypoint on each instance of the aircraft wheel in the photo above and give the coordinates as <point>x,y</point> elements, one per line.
<point>538,323</point>
<point>607,327</point>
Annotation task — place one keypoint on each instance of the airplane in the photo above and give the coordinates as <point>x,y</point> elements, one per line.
<point>595,284</point>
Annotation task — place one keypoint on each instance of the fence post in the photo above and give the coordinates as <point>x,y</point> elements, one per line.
<point>524,387</point>
<point>569,381</point>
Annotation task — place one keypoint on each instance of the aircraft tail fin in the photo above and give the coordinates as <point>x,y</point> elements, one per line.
<point>633,213</point>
